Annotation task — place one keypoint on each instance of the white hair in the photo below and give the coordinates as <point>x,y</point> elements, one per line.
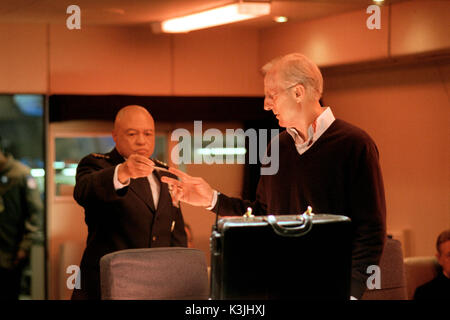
<point>296,68</point>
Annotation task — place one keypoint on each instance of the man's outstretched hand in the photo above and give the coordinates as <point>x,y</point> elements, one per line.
<point>192,190</point>
<point>136,166</point>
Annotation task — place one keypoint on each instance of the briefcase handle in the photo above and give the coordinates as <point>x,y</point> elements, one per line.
<point>297,231</point>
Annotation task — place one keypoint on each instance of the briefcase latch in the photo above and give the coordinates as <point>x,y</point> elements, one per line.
<point>308,211</point>
<point>248,214</point>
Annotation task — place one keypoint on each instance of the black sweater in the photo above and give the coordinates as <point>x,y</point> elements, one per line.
<point>339,174</point>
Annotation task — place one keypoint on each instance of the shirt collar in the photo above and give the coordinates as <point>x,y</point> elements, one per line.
<point>322,123</point>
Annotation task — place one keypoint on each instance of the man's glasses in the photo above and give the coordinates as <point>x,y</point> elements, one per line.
<point>274,96</point>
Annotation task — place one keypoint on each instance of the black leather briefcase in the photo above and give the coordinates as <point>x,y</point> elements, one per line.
<point>304,256</point>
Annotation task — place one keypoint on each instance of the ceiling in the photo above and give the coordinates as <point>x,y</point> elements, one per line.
<point>135,12</point>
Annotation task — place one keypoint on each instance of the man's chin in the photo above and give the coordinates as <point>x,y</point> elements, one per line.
<point>281,123</point>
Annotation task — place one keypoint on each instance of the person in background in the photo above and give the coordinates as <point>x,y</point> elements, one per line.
<point>20,210</point>
<point>439,287</point>
<point>126,206</point>
<point>326,163</point>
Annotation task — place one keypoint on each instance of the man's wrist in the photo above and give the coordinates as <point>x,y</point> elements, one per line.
<point>117,183</point>
<point>122,175</point>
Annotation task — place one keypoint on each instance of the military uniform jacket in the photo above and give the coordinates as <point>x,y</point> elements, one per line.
<point>20,211</point>
<point>122,219</point>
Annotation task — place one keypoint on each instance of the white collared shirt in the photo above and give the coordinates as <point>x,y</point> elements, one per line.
<point>322,123</point>
<point>154,185</point>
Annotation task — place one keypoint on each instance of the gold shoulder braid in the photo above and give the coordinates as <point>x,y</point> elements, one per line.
<point>100,156</point>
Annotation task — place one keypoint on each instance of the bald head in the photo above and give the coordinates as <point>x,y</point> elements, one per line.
<point>129,113</point>
<point>134,131</point>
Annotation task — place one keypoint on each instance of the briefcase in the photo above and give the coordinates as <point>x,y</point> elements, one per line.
<point>306,256</point>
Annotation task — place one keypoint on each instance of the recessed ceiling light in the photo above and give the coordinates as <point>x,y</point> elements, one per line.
<point>214,17</point>
<point>280,19</point>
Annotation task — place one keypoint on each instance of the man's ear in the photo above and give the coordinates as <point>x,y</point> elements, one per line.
<point>438,257</point>
<point>300,93</point>
<point>114,136</point>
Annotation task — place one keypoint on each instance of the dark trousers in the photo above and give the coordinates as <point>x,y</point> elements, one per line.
<point>10,280</point>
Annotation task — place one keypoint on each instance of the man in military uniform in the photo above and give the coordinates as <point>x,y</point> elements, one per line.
<point>20,211</point>
<point>126,205</point>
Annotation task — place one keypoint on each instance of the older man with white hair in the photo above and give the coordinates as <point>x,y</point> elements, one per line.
<point>324,162</point>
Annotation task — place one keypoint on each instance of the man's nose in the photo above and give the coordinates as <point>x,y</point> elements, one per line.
<point>267,106</point>
<point>140,139</point>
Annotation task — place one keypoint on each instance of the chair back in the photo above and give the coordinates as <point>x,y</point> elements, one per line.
<point>171,273</point>
<point>393,283</point>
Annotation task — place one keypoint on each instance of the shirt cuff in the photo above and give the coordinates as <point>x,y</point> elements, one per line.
<point>214,200</point>
<point>117,184</point>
